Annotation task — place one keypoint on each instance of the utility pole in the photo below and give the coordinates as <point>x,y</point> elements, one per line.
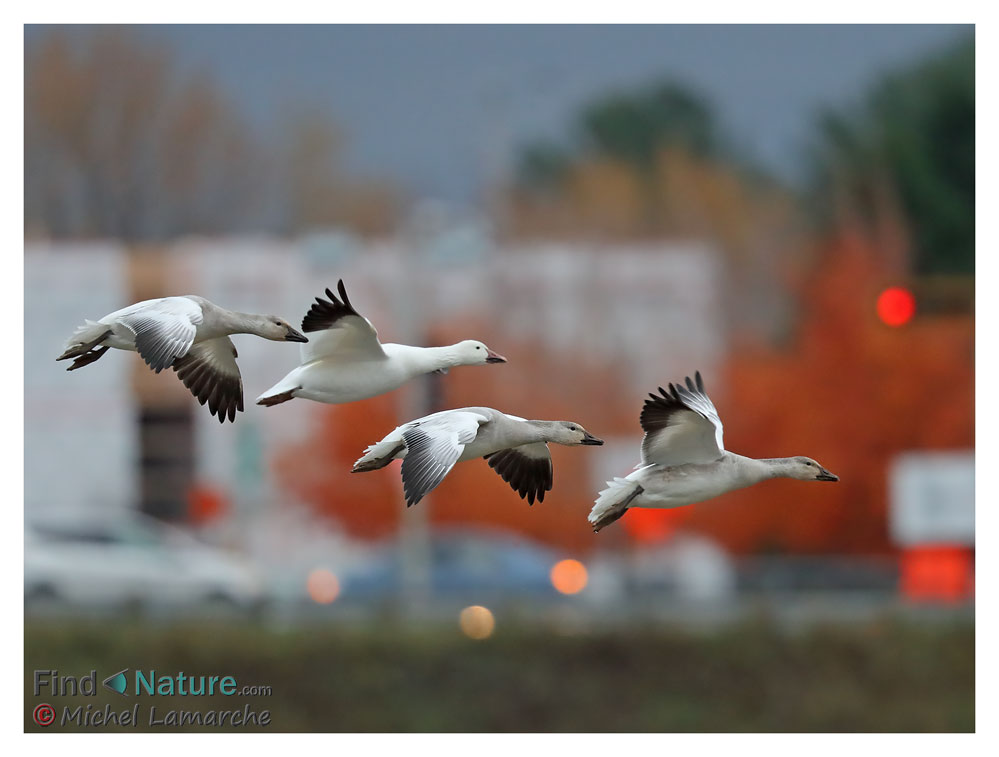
<point>413,402</point>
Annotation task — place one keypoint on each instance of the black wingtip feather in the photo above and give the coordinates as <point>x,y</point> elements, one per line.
<point>657,410</point>
<point>529,477</point>
<point>221,393</point>
<point>343,293</point>
<point>324,313</point>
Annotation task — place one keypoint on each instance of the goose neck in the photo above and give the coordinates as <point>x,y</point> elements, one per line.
<point>774,467</point>
<point>437,358</point>
<point>242,323</point>
<point>537,431</point>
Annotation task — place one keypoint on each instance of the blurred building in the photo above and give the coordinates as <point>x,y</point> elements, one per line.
<point>117,436</point>
<point>80,430</point>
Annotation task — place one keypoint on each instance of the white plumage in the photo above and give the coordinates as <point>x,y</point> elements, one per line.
<point>684,458</point>
<point>345,362</point>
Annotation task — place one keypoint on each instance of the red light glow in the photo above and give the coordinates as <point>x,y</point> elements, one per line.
<point>937,573</point>
<point>896,306</point>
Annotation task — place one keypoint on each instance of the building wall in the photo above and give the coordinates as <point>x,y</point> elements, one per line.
<point>79,428</point>
<point>650,313</point>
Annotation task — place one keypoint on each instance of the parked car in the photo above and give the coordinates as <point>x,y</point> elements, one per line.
<point>464,564</point>
<point>126,560</point>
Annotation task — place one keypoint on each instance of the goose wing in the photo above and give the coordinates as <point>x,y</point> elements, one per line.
<point>681,426</point>
<point>164,329</point>
<point>433,446</point>
<point>210,371</point>
<point>337,329</point>
<point>527,468</point>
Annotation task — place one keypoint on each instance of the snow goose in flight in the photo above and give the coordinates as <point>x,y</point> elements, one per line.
<point>345,362</point>
<point>517,449</point>
<point>190,335</point>
<point>684,460</point>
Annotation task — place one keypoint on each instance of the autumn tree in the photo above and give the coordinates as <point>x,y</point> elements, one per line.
<point>371,505</point>
<point>116,145</point>
<point>811,370</point>
<point>651,164</point>
<point>119,144</point>
<point>911,141</point>
<point>849,391</point>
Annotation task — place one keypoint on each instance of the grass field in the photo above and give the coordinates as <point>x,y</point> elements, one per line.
<point>878,677</point>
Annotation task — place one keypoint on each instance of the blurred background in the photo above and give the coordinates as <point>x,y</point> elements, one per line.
<point>789,210</point>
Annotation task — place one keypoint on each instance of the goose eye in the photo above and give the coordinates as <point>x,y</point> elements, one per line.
<point>477,347</point>
<point>572,428</point>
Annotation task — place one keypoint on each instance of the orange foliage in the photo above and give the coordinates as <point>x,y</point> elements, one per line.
<point>317,470</point>
<point>573,389</point>
<point>851,392</point>
<point>370,505</point>
<point>755,226</point>
<point>848,391</point>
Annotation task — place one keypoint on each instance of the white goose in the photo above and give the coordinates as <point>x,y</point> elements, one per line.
<point>345,362</point>
<point>684,460</point>
<point>517,449</point>
<point>187,333</point>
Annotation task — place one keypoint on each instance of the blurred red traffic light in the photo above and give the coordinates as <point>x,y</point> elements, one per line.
<point>896,306</point>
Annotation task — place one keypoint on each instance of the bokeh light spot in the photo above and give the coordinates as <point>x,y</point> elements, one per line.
<point>323,586</point>
<point>477,622</point>
<point>569,576</point>
<point>896,306</point>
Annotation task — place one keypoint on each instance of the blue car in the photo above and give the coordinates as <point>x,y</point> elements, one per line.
<point>464,563</point>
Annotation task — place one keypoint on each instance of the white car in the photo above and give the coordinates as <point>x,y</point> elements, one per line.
<point>127,560</point>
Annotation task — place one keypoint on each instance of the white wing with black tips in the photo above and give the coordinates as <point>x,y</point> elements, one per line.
<point>335,328</point>
<point>681,426</point>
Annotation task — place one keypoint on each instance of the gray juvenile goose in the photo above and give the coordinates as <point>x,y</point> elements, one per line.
<point>516,448</point>
<point>186,333</point>
<point>684,460</point>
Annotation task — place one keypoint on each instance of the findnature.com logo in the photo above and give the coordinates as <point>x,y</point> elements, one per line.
<point>144,683</point>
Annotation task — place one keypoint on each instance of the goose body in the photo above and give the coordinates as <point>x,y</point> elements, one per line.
<point>344,361</point>
<point>515,448</point>
<point>684,460</point>
<point>187,333</point>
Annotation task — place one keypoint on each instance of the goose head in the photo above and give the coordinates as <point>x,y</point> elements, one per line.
<point>571,434</point>
<point>277,330</point>
<point>806,469</point>
<point>472,352</point>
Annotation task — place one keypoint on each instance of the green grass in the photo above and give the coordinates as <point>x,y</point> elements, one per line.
<point>879,677</point>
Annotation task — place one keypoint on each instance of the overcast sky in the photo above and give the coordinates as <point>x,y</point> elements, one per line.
<point>439,110</point>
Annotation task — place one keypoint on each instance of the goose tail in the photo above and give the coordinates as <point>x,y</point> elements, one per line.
<point>378,456</point>
<point>84,339</point>
<point>282,391</point>
<point>612,502</point>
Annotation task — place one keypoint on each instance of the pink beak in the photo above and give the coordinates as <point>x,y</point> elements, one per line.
<point>494,357</point>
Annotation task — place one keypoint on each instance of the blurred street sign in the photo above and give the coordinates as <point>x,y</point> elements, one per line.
<point>932,498</point>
